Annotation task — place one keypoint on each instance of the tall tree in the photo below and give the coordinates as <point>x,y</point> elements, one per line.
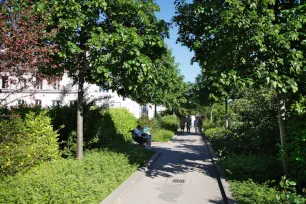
<point>261,41</point>
<point>111,43</point>
<point>165,85</point>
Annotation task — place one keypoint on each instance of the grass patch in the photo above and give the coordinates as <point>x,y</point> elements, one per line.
<point>162,135</point>
<point>73,181</point>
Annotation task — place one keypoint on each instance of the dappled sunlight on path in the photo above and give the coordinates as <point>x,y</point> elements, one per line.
<point>183,173</point>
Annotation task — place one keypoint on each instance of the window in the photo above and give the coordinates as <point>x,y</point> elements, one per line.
<point>73,103</point>
<point>4,82</point>
<point>21,102</point>
<point>38,102</point>
<point>56,103</point>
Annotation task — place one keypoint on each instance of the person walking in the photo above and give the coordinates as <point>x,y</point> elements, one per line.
<point>182,124</point>
<point>188,123</point>
<point>200,124</point>
<point>195,124</point>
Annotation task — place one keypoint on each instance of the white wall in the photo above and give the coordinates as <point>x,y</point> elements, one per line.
<point>52,92</point>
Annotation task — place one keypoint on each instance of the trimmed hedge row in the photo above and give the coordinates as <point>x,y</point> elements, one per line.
<point>115,125</point>
<point>169,122</point>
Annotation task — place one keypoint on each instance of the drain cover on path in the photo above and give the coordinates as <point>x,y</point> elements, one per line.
<point>178,180</point>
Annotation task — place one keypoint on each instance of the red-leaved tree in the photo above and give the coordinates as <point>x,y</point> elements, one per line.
<point>25,48</point>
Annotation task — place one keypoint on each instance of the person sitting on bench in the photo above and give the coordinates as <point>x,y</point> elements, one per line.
<point>146,137</point>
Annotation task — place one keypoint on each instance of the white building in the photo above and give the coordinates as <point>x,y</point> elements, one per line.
<point>64,93</point>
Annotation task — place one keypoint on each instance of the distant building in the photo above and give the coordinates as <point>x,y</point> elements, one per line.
<point>63,92</point>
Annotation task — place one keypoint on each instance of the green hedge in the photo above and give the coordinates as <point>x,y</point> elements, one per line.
<point>74,181</point>
<point>26,142</point>
<point>153,123</point>
<point>64,118</point>
<point>115,126</point>
<point>248,192</point>
<point>169,122</point>
<point>208,125</point>
<point>243,167</point>
<point>217,132</point>
<point>162,135</point>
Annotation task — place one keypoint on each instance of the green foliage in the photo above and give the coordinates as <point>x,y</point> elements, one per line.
<point>115,126</point>
<point>215,133</point>
<point>295,148</point>
<point>153,123</point>
<point>159,134</point>
<point>288,193</point>
<point>207,124</point>
<point>74,181</point>
<point>169,122</point>
<point>26,142</point>
<point>162,135</point>
<point>64,120</point>
<point>248,192</point>
<point>256,167</point>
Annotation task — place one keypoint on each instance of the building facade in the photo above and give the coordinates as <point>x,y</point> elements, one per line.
<point>63,92</point>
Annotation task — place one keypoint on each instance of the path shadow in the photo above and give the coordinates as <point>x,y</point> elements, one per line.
<point>181,159</point>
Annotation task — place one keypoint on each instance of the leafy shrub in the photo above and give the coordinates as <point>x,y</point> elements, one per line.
<point>258,168</point>
<point>73,181</point>
<point>288,193</point>
<point>162,135</point>
<point>296,151</point>
<point>115,125</point>
<point>208,125</point>
<point>254,121</point>
<point>153,123</point>
<point>64,119</point>
<point>248,192</point>
<point>26,143</point>
<point>217,133</point>
<point>170,122</point>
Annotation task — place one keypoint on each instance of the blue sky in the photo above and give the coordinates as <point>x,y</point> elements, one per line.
<point>182,54</point>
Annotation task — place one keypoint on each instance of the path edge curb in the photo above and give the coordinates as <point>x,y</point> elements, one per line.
<point>116,196</point>
<point>226,192</point>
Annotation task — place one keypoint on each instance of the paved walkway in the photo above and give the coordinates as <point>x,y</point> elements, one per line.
<point>183,174</point>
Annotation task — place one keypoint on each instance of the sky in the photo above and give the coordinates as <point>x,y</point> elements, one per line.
<point>182,54</point>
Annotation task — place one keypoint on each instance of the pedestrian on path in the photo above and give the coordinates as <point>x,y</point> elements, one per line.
<point>200,124</point>
<point>182,124</point>
<point>188,123</point>
<point>195,124</point>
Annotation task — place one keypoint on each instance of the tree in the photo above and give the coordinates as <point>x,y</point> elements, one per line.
<point>25,49</point>
<point>261,42</point>
<point>111,43</point>
<point>165,86</point>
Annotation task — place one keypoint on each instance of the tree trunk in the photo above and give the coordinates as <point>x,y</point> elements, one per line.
<point>80,116</point>
<point>155,111</point>
<point>281,109</point>
<point>226,115</point>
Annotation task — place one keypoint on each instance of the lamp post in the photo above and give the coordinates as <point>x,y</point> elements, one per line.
<point>227,102</point>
